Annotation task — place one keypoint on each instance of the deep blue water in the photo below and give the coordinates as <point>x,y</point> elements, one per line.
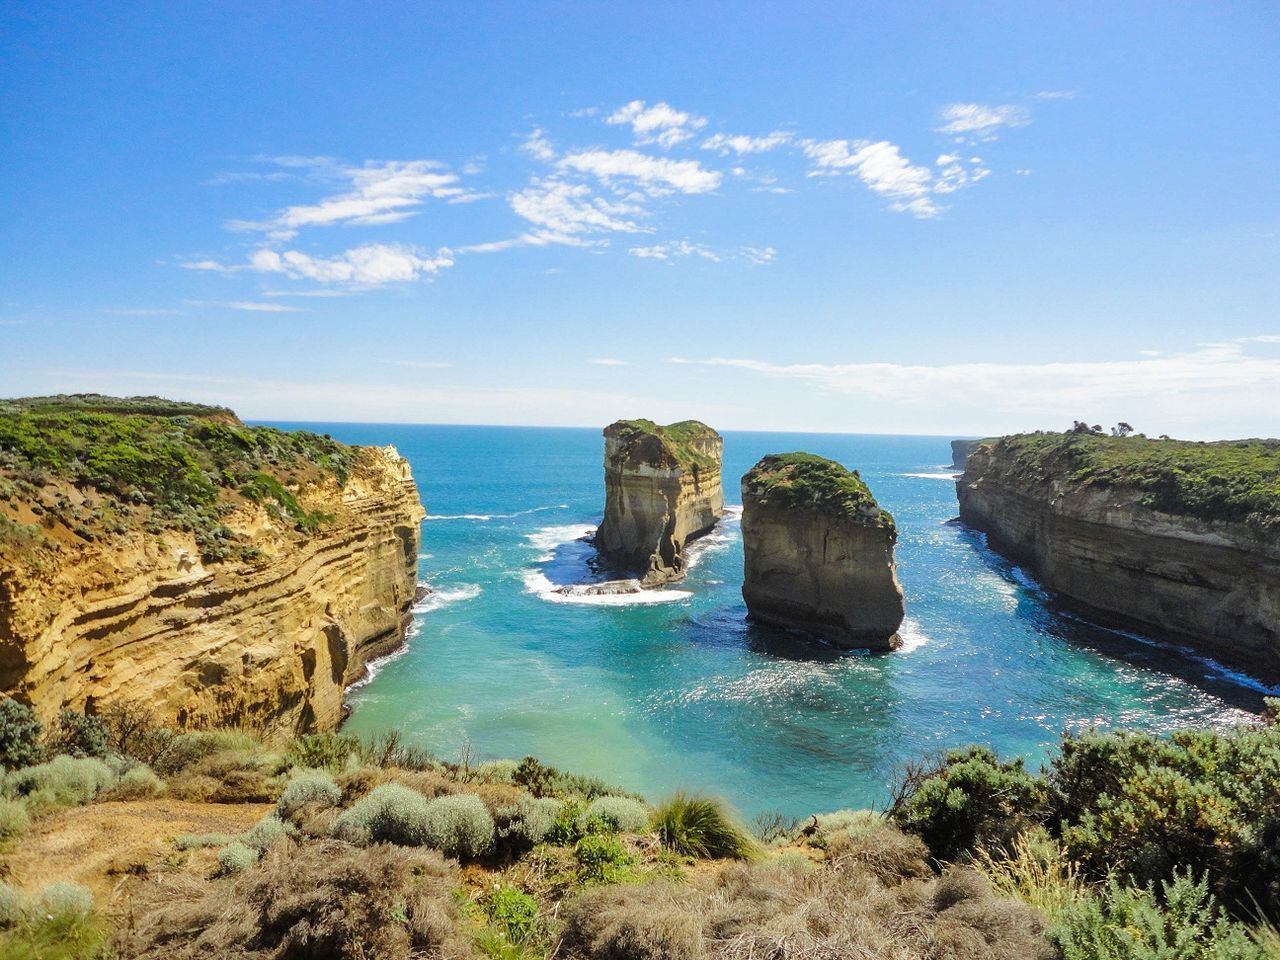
<point>683,692</point>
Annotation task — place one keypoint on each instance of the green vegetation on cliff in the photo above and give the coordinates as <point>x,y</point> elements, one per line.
<point>102,465</point>
<point>681,440</point>
<point>809,482</point>
<point>1235,480</point>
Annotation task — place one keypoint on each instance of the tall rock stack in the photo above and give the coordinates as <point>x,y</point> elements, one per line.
<point>818,553</point>
<point>662,490</point>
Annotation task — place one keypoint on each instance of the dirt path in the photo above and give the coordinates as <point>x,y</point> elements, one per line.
<point>102,844</point>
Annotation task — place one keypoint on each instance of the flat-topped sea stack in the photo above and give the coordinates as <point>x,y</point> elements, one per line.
<point>662,490</point>
<point>167,556</point>
<point>818,553</point>
<point>1176,540</point>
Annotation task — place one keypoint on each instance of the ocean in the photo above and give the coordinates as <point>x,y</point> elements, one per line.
<point>674,689</point>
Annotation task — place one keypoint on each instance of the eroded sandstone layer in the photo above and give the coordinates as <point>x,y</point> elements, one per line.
<point>109,592</point>
<point>1178,541</point>
<point>960,450</point>
<point>662,490</point>
<point>818,553</point>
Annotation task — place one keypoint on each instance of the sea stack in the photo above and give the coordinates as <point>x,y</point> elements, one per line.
<point>662,490</point>
<point>960,450</point>
<point>818,553</point>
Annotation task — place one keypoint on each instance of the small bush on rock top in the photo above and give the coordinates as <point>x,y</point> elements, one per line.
<point>459,825</point>
<point>20,733</point>
<point>387,814</point>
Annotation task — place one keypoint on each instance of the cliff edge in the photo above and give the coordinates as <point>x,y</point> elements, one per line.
<point>662,490</point>
<point>216,573</point>
<point>1175,540</point>
<point>818,553</point>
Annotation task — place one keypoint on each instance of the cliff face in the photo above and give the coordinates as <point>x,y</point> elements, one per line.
<point>662,490</point>
<point>266,635</point>
<point>818,553</point>
<point>960,450</point>
<point>1096,539</point>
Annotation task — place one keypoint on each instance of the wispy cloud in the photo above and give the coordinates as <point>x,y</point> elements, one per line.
<point>976,121</point>
<point>759,255</point>
<point>371,265</point>
<point>660,124</point>
<point>564,211</point>
<point>256,307</point>
<point>882,168</point>
<point>673,249</point>
<point>740,144</point>
<point>656,176</point>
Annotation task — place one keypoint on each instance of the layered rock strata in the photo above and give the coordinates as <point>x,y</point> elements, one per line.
<point>1177,541</point>
<point>662,491</point>
<point>960,450</point>
<point>266,637</point>
<point>818,553</point>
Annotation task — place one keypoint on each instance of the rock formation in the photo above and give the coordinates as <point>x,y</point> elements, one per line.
<point>1177,541</point>
<point>662,490</point>
<point>261,621</point>
<point>818,553</point>
<point>960,450</point>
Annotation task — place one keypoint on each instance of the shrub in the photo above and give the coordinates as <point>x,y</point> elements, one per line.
<point>14,819</point>
<point>79,735</point>
<point>20,731</point>
<point>136,783</point>
<point>564,830</point>
<point>851,823</point>
<point>67,900</point>
<point>459,825</point>
<point>186,749</point>
<point>389,813</point>
<point>308,787</point>
<point>236,857</point>
<point>534,777</point>
<point>973,799</point>
<point>495,771</point>
<point>1036,870</point>
<point>267,830</point>
<point>12,905</point>
<point>646,923</point>
<point>196,841</point>
<point>63,781</point>
<point>601,857</point>
<point>1127,923</point>
<point>526,823</point>
<point>620,814</point>
<point>330,751</point>
<point>884,851</point>
<point>514,913</point>
<point>703,827</point>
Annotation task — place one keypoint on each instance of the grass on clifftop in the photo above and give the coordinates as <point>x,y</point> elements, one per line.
<point>680,439</point>
<point>150,463</point>
<point>808,481</point>
<point>1235,480</point>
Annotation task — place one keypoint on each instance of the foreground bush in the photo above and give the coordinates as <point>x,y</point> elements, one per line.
<point>14,819</point>
<point>458,825</point>
<point>388,814</point>
<point>63,781</point>
<point>526,823</point>
<point>20,733</point>
<point>703,827</point>
<point>314,788</point>
<point>621,814</point>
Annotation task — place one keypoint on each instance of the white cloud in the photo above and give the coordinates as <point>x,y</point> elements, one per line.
<point>369,265</point>
<point>1056,95</point>
<point>563,211</point>
<point>211,265</point>
<point>610,362</point>
<point>661,124</point>
<point>882,168</point>
<point>741,144</point>
<point>656,176</point>
<point>255,307</point>
<point>974,121</point>
<point>759,255</point>
<point>675,248</point>
<point>539,147</point>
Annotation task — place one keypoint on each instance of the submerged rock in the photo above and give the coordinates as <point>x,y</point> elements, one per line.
<point>662,490</point>
<point>818,553</point>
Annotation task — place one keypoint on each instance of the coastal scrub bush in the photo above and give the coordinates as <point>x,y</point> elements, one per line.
<point>20,732</point>
<point>972,799</point>
<point>70,900</point>
<point>601,858</point>
<point>196,841</point>
<point>79,735</point>
<point>525,823</point>
<point>12,905</point>
<point>237,857</point>
<point>514,913</point>
<point>389,813</point>
<point>308,788</point>
<point>852,823</point>
<point>63,781</point>
<point>136,783</point>
<point>617,814</point>
<point>703,827</point>
<point>1135,923</point>
<point>14,819</point>
<point>495,771</point>
<point>459,825</point>
<point>267,830</point>
<point>1036,870</point>
<point>329,751</point>
<point>884,852</point>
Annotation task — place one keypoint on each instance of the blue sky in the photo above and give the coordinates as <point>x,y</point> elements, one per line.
<point>926,218</point>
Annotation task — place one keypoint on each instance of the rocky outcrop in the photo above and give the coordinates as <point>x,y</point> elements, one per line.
<point>960,450</point>
<point>1158,537</point>
<point>267,638</point>
<point>818,553</point>
<point>662,490</point>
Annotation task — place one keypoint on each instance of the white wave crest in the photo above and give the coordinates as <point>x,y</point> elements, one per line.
<point>536,583</point>
<point>484,517</point>
<point>443,597</point>
<point>913,638</point>
<point>932,476</point>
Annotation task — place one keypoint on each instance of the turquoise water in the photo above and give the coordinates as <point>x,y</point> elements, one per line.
<point>683,692</point>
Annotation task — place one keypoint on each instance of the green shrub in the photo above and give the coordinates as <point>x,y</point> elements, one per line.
<point>267,830</point>
<point>972,800</point>
<point>236,857</point>
<point>526,823</point>
<point>136,783</point>
<point>703,827</point>
<point>601,858</point>
<point>514,913</point>
<point>620,814</point>
<point>14,819</point>
<point>1127,923</point>
<point>389,813</point>
<point>187,749</point>
<point>308,787</point>
<point>79,735</point>
<point>539,780</point>
<point>330,751</point>
<point>12,905</point>
<point>20,733</point>
<point>495,771</point>
<point>564,829</point>
<point>63,781</point>
<point>459,825</point>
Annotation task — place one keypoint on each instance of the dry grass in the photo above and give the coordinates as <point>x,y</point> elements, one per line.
<point>1035,870</point>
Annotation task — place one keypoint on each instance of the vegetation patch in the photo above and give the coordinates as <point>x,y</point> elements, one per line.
<point>808,482</point>
<point>682,441</point>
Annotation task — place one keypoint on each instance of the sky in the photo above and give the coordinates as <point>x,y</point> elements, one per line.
<point>951,218</point>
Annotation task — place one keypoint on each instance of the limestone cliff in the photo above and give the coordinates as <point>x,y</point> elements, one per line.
<point>1177,541</point>
<point>818,553</point>
<point>960,450</point>
<point>662,490</point>
<point>212,572</point>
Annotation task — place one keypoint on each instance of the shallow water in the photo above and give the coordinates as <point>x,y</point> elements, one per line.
<point>679,691</point>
